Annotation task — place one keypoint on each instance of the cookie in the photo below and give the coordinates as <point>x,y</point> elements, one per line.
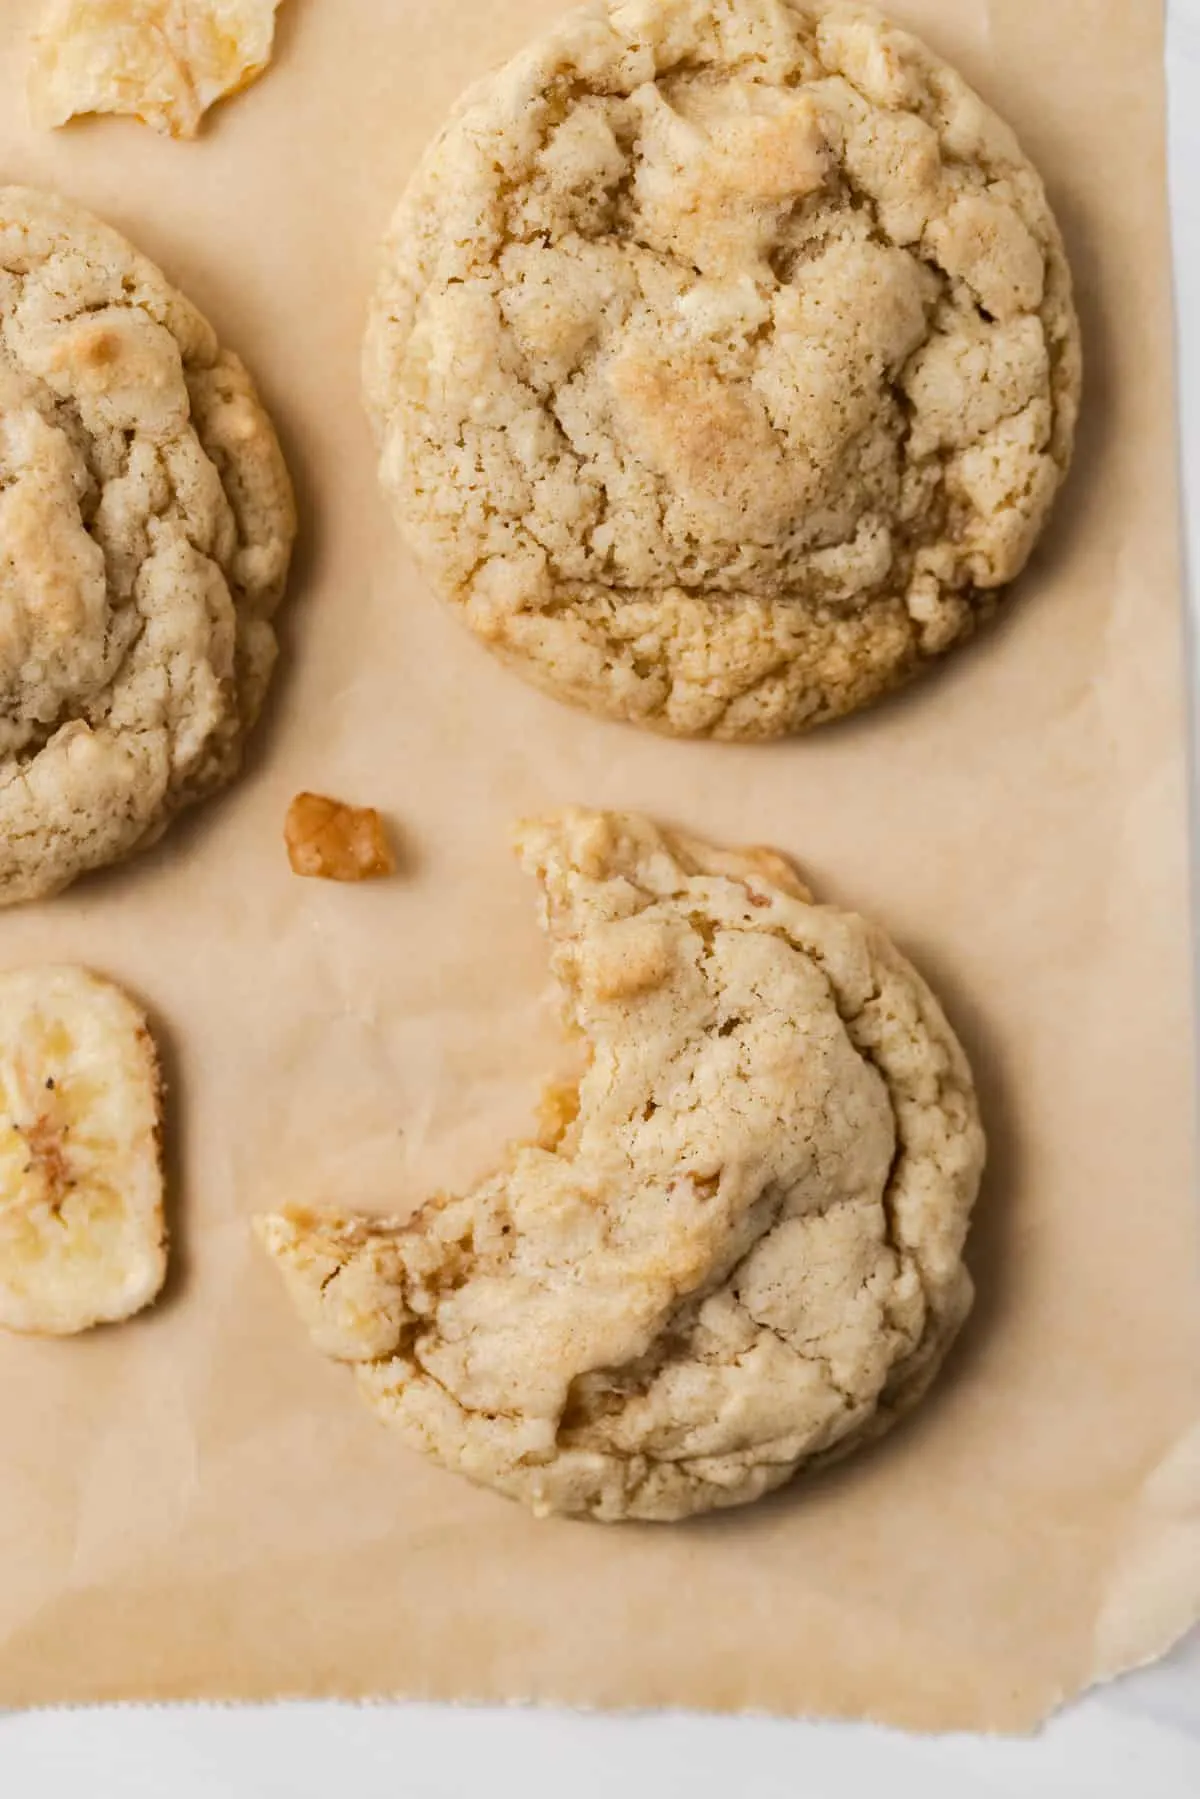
<point>82,1235</point>
<point>723,363</point>
<point>735,1250</point>
<point>146,522</point>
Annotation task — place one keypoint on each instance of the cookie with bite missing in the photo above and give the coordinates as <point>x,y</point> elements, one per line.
<point>735,1249</point>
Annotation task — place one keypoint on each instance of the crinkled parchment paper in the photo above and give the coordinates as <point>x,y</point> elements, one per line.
<point>198,1504</point>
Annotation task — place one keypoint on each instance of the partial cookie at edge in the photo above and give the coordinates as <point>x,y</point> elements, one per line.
<point>146,525</point>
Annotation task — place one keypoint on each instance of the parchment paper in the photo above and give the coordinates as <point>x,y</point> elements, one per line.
<point>197,1503</point>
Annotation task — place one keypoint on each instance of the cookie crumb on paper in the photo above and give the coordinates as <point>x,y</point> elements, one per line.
<point>332,841</point>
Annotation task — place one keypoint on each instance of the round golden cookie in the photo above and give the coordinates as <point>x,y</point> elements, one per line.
<point>724,363</point>
<point>736,1249</point>
<point>146,522</point>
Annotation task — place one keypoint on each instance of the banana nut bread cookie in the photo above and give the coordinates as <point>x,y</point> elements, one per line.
<point>724,364</point>
<point>146,521</point>
<point>737,1247</point>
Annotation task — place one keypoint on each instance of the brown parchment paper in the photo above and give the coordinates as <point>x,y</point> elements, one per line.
<point>198,1504</point>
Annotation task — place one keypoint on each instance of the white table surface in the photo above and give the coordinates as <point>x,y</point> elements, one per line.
<point>1138,1739</point>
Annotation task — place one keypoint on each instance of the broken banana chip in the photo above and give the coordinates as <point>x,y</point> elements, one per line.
<point>162,61</point>
<point>82,1238</point>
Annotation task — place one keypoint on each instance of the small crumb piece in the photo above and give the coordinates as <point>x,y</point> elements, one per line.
<point>162,61</point>
<point>335,842</point>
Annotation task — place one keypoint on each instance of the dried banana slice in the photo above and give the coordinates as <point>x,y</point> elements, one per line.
<point>162,61</point>
<point>82,1238</point>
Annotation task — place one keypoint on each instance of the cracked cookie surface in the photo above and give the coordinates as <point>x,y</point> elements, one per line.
<point>736,1247</point>
<point>724,363</point>
<point>146,523</point>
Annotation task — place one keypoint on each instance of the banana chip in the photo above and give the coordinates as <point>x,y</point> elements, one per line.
<point>82,1239</point>
<point>162,61</point>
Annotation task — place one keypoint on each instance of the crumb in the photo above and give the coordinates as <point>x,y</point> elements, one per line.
<point>335,842</point>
